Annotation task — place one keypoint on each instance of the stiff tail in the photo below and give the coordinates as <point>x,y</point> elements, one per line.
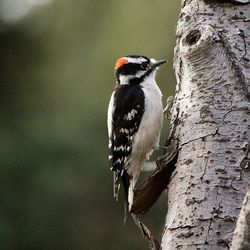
<point>116,185</point>
<point>128,186</point>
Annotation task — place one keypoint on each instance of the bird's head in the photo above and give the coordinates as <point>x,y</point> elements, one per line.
<point>134,69</point>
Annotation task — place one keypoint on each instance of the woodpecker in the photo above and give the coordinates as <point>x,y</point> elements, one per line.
<point>134,120</point>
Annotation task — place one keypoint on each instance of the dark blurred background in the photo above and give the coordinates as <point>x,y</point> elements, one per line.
<point>56,76</point>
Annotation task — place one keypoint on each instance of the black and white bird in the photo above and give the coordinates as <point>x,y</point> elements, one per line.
<point>135,115</point>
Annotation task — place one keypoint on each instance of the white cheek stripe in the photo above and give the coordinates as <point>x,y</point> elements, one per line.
<point>124,80</point>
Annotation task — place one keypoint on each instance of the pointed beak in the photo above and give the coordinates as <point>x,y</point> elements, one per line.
<point>158,63</point>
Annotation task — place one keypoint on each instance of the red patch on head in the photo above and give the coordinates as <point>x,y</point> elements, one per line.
<point>120,62</point>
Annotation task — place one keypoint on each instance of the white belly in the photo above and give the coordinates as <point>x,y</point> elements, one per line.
<point>147,137</point>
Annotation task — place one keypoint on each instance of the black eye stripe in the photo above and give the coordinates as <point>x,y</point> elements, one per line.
<point>132,68</point>
<point>129,69</point>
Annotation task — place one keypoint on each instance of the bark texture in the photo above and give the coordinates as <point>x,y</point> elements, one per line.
<point>241,238</point>
<point>211,120</point>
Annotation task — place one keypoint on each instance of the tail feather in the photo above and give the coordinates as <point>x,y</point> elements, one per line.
<point>116,185</point>
<point>128,186</point>
<point>131,193</point>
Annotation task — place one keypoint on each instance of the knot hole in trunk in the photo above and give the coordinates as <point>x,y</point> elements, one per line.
<point>192,37</point>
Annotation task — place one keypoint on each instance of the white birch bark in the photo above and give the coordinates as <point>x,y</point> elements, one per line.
<point>212,107</point>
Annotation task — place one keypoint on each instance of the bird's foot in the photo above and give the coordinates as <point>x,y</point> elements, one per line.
<point>168,109</point>
<point>168,154</point>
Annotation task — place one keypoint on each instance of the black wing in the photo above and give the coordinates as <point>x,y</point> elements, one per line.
<point>126,118</point>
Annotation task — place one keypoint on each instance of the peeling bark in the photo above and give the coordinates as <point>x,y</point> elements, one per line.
<point>212,104</point>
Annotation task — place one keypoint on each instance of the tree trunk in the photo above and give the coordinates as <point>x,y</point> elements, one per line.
<point>241,239</point>
<point>211,123</point>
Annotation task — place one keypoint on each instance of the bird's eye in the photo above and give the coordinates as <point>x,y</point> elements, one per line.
<point>144,65</point>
